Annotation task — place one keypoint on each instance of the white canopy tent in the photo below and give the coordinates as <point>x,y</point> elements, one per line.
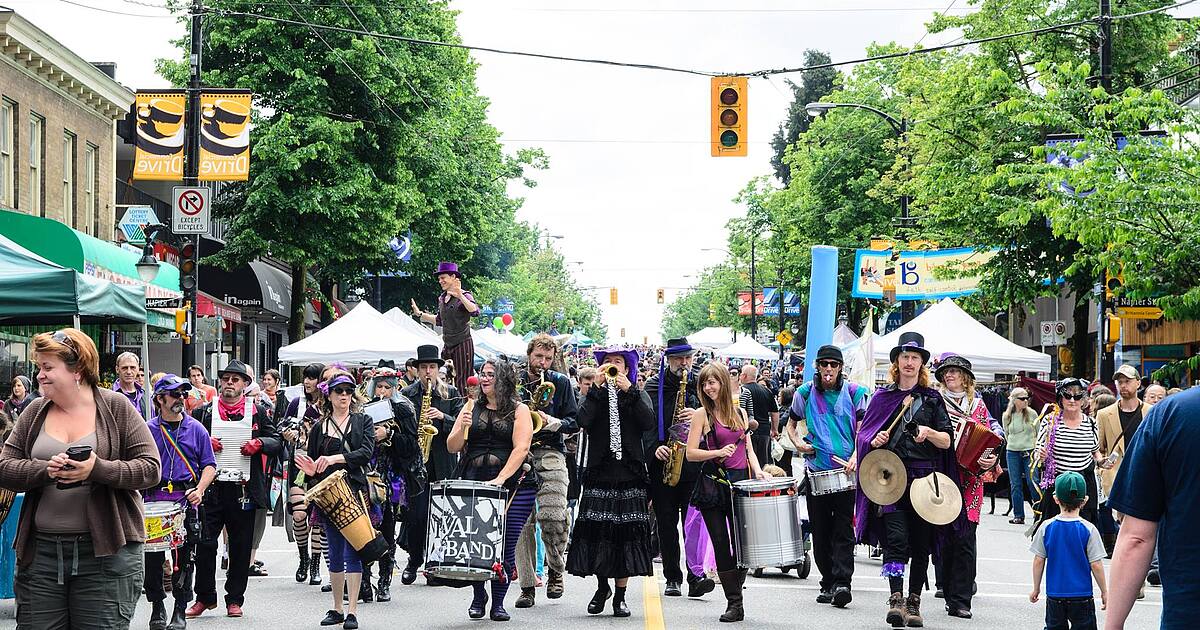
<point>404,321</point>
<point>948,328</point>
<point>843,336</point>
<point>490,343</point>
<point>712,337</point>
<point>746,348</point>
<point>361,337</point>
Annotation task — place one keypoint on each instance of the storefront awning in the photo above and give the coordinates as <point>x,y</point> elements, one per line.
<point>209,306</point>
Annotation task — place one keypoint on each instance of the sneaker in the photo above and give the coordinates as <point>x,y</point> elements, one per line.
<point>334,618</point>
<point>701,587</point>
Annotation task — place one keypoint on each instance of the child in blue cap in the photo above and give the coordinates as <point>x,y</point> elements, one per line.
<point>1066,548</point>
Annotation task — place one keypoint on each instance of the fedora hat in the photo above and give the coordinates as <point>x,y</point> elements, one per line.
<point>429,354</point>
<point>911,342</point>
<point>236,367</point>
<point>447,267</point>
<point>679,347</point>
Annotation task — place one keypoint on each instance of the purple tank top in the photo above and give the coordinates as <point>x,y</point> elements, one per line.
<point>724,436</point>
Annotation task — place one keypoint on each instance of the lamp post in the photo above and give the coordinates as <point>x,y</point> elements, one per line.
<point>147,270</point>
<point>899,128</point>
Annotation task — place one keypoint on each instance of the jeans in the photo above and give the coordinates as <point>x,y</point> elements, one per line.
<point>1018,477</point>
<point>1074,613</point>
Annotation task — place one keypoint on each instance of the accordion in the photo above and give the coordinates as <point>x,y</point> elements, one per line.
<point>974,440</point>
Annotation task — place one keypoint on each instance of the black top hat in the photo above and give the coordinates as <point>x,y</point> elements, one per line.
<point>830,353</point>
<point>952,361</point>
<point>236,367</point>
<point>911,342</point>
<point>679,347</point>
<point>429,354</point>
<point>386,363</point>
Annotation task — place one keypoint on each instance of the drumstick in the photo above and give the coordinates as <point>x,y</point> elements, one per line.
<point>903,409</point>
<point>468,408</point>
<point>839,460</point>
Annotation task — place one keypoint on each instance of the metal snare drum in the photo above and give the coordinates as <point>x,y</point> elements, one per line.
<point>822,482</point>
<point>768,530</point>
<point>465,538</point>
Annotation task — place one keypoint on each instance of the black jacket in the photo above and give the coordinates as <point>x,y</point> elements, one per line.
<point>265,429</point>
<point>358,447</point>
<point>637,417</point>
<point>670,387</point>
<point>563,406</point>
<point>403,456</point>
<point>441,462</point>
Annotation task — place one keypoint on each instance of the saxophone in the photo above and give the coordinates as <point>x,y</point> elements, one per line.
<point>540,399</point>
<point>673,467</point>
<point>425,428</point>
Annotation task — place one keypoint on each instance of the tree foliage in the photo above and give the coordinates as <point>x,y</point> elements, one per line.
<point>814,84</point>
<point>544,294</point>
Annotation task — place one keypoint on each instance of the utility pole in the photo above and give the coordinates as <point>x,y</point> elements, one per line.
<point>782,309</point>
<point>191,168</point>
<point>753,309</point>
<point>1105,360</point>
<point>908,308</point>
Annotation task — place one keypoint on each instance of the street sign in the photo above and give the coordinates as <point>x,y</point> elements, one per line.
<point>1054,333</point>
<point>784,337</point>
<point>191,209</point>
<point>1137,309</point>
<point>131,223</point>
<point>170,302</point>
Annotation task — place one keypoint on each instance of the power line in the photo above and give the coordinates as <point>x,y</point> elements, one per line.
<point>112,11</point>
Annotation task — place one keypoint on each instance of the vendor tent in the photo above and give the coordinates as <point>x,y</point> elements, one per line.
<point>948,328</point>
<point>712,337</point>
<point>490,343</point>
<point>843,336</point>
<point>361,337</point>
<point>402,320</point>
<point>37,290</point>
<point>746,348</point>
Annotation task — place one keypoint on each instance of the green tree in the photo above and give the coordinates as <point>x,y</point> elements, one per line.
<point>544,294</point>
<point>814,84</point>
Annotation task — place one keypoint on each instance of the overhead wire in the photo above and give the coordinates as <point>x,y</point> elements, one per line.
<point>113,11</point>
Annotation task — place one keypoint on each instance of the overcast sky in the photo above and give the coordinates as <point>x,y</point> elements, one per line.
<point>631,188</point>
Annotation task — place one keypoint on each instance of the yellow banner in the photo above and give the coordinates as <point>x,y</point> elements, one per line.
<point>224,136</point>
<point>158,148</point>
<point>940,273</point>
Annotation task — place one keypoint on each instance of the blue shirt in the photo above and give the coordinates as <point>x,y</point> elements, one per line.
<point>1070,545</point>
<point>1158,482</point>
<point>832,419</point>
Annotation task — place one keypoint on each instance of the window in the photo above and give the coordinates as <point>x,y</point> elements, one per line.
<point>8,173</point>
<point>91,211</point>
<point>37,181</point>
<point>68,180</point>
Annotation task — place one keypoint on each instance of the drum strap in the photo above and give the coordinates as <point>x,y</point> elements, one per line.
<point>175,445</point>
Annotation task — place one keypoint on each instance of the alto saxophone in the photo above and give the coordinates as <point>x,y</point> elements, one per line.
<point>673,467</point>
<point>425,428</point>
<point>540,399</point>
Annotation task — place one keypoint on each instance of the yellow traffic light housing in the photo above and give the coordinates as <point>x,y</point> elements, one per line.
<point>182,324</point>
<point>1113,332</point>
<point>661,296</point>
<point>729,110</point>
<point>612,296</point>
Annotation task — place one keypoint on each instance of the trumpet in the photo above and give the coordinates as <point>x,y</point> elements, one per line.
<point>610,371</point>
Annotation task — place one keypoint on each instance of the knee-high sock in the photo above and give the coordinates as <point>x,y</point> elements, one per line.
<point>518,513</point>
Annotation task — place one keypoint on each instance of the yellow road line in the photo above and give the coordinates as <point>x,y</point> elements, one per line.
<point>652,603</point>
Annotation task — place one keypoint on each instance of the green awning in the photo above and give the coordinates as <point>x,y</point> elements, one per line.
<point>36,290</point>
<point>73,249</point>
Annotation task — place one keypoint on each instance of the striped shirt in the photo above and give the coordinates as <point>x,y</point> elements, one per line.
<point>1073,448</point>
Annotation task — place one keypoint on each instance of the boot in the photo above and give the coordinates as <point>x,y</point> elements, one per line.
<point>554,584</point>
<point>383,592</point>
<point>178,617</point>
<point>620,608</point>
<point>526,599</point>
<point>365,592</point>
<point>158,616</point>
<point>912,607</point>
<point>731,583</point>
<point>302,571</point>
<point>896,616</point>
<point>314,570</point>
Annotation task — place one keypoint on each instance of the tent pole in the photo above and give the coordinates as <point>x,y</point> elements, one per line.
<point>75,321</point>
<point>146,387</point>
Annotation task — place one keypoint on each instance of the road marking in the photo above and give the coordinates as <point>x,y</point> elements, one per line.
<point>805,587</point>
<point>652,603</point>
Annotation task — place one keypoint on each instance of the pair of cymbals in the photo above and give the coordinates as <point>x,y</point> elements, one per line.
<point>936,499</point>
<point>883,478</point>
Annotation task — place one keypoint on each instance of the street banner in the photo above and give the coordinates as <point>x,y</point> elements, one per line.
<point>770,302</point>
<point>919,275</point>
<point>225,136</point>
<point>744,303</point>
<point>160,135</point>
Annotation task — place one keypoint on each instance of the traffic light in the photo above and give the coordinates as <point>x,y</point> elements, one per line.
<point>187,266</point>
<point>1113,334</point>
<point>1112,284</point>
<point>661,296</point>
<point>729,111</point>
<point>622,333</point>
<point>183,322</point>
<point>612,296</point>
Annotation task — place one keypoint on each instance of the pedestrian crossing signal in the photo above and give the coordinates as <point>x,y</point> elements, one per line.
<point>729,114</point>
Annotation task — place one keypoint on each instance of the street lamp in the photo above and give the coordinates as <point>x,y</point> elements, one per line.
<point>899,128</point>
<point>147,270</point>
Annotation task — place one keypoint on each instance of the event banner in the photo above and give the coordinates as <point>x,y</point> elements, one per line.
<point>160,135</point>
<point>225,135</point>
<point>744,303</point>
<point>919,275</point>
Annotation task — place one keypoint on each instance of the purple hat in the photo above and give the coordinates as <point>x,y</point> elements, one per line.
<point>334,381</point>
<point>631,358</point>
<point>447,267</point>
<point>171,382</point>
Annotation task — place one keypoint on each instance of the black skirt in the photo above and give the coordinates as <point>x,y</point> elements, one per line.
<point>611,536</point>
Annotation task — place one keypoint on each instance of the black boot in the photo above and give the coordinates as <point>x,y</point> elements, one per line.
<point>365,592</point>
<point>302,571</point>
<point>178,617</point>
<point>383,592</point>
<point>731,583</point>
<point>314,570</point>
<point>158,616</point>
<point>620,608</point>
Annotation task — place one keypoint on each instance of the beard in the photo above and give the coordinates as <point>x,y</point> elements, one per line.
<point>177,407</point>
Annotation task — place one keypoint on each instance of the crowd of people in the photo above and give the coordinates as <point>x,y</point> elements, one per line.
<point>606,460</point>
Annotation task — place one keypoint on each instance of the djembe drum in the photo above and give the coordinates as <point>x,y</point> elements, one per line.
<point>347,511</point>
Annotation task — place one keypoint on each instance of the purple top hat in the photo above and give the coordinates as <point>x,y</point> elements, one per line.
<point>447,267</point>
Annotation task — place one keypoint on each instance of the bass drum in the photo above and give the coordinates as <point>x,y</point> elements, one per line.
<point>465,536</point>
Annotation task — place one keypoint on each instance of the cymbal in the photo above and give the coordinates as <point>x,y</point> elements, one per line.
<point>882,477</point>
<point>936,499</point>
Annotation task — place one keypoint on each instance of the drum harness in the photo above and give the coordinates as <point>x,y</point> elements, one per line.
<point>192,525</point>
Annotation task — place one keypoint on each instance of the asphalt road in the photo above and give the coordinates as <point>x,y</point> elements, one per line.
<point>773,601</point>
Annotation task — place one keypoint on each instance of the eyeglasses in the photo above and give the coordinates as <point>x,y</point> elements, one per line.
<point>230,378</point>
<point>1080,396</point>
<point>1022,398</point>
<point>343,391</point>
<point>828,364</point>
<point>487,375</point>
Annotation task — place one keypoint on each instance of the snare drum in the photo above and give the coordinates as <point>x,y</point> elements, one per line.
<point>465,540</point>
<point>164,521</point>
<point>822,482</point>
<point>768,529</point>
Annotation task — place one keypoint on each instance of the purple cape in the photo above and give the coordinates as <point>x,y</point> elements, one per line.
<point>868,526</point>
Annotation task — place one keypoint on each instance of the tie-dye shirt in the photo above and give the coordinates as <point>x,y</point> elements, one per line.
<point>832,417</point>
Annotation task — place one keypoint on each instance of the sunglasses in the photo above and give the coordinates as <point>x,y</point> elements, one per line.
<point>230,378</point>
<point>174,393</point>
<point>343,391</point>
<point>62,337</point>
<point>828,364</point>
<point>1074,396</point>
<point>1022,398</point>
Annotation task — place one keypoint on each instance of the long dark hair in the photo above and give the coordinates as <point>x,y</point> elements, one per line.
<point>504,389</point>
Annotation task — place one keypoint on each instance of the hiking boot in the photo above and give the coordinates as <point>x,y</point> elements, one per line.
<point>526,600</point>
<point>896,615</point>
<point>912,607</point>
